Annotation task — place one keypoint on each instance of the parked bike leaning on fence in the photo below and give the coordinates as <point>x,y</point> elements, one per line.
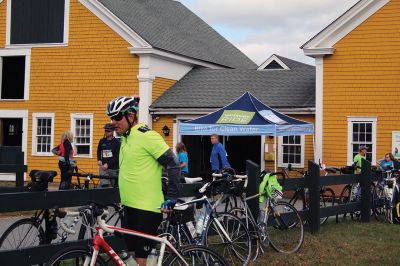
<point>143,153</point>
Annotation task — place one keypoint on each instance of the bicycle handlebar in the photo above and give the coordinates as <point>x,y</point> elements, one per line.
<point>89,175</point>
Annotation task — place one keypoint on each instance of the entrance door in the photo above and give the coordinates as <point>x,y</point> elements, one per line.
<point>11,132</point>
<point>239,150</point>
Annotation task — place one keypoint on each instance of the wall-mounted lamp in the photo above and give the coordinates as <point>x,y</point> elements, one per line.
<point>165,130</point>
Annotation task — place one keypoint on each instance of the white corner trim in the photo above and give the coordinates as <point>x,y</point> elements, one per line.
<point>314,52</point>
<point>345,23</point>
<point>115,23</point>
<point>270,59</point>
<point>173,57</point>
<point>66,29</point>
<point>35,116</point>
<point>319,108</point>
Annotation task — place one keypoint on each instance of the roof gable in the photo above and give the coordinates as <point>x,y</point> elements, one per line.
<point>323,42</point>
<point>170,26</point>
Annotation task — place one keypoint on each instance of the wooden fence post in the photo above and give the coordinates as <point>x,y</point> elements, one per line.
<point>19,175</point>
<point>365,184</point>
<point>253,173</point>
<point>312,182</point>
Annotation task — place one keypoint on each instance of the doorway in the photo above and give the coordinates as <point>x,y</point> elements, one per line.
<point>11,132</point>
<point>239,150</point>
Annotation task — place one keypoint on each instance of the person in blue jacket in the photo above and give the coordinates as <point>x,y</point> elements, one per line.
<point>218,156</point>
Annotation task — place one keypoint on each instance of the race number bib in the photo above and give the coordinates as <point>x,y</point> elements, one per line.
<point>107,154</point>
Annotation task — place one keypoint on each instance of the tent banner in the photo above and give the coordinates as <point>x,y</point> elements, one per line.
<point>237,117</point>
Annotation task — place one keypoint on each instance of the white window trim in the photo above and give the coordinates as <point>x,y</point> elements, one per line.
<point>18,52</point>
<point>351,119</point>
<point>82,116</point>
<point>66,29</point>
<point>35,117</point>
<point>280,153</point>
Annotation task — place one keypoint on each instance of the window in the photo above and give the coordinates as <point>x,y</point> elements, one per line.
<point>37,22</point>
<point>14,74</point>
<point>361,132</point>
<point>291,151</point>
<point>42,133</point>
<point>82,127</point>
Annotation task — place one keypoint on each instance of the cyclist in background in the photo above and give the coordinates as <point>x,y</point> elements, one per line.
<point>218,156</point>
<point>362,152</point>
<point>143,153</point>
<point>107,155</point>
<point>387,162</point>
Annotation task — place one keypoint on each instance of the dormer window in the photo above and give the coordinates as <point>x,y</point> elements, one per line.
<point>37,22</point>
<point>273,63</point>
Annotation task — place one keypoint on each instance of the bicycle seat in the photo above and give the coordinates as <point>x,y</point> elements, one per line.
<point>42,175</point>
<point>331,170</point>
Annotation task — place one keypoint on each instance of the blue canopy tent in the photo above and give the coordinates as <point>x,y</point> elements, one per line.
<point>247,116</point>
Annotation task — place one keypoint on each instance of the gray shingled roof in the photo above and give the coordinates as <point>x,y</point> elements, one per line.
<point>170,26</point>
<point>215,88</point>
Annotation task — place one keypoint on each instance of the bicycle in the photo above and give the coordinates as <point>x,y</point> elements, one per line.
<point>221,231</point>
<point>42,228</point>
<point>189,255</point>
<point>279,224</point>
<point>384,192</point>
<point>352,193</point>
<point>326,194</point>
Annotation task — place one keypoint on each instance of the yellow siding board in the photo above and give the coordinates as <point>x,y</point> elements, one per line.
<point>362,78</point>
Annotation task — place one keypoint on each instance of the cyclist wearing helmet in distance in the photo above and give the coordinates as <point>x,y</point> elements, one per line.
<point>142,155</point>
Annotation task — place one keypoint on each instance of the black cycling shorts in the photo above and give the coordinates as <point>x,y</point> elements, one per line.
<point>141,221</point>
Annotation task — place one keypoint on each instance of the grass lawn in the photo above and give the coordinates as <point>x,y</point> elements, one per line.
<point>346,243</point>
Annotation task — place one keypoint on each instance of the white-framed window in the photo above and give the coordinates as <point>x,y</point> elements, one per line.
<point>361,132</point>
<point>42,133</point>
<point>15,67</point>
<point>82,128</point>
<point>37,23</point>
<point>291,151</point>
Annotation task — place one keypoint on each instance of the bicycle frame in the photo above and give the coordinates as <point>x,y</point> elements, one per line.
<point>100,243</point>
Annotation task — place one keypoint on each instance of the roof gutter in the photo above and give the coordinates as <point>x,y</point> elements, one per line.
<point>203,111</point>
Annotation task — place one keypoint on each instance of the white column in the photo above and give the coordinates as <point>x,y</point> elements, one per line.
<point>145,89</point>
<point>319,104</point>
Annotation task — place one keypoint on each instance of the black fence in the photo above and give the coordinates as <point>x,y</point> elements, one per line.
<point>23,201</point>
<point>12,161</point>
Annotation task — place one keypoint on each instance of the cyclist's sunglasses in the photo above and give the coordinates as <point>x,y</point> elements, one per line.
<point>117,117</point>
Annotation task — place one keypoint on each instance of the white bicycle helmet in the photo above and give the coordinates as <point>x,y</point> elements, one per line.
<point>122,105</point>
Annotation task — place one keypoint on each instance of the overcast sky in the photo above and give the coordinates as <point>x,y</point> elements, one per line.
<point>260,28</point>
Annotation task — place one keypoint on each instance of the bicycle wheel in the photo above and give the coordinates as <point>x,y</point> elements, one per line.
<point>74,256</point>
<point>252,228</point>
<point>327,198</point>
<point>344,198</point>
<point>22,234</point>
<point>284,228</point>
<point>230,203</point>
<point>196,255</point>
<point>237,249</point>
<point>379,204</point>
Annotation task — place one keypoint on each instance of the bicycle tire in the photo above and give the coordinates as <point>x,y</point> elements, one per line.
<point>237,231</point>
<point>379,205</point>
<point>67,255</point>
<point>344,198</point>
<point>32,234</point>
<point>230,203</point>
<point>252,228</point>
<point>196,255</point>
<point>327,198</point>
<point>284,228</point>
